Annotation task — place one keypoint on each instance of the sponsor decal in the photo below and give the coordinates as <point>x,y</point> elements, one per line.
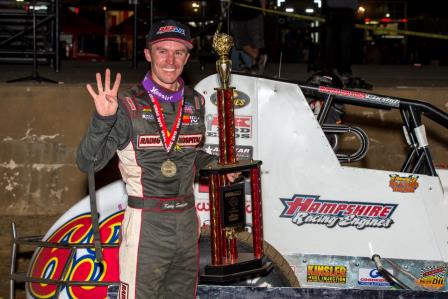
<point>309,209</point>
<point>124,287</point>
<point>240,99</point>
<point>361,95</point>
<point>147,113</point>
<point>145,141</point>
<point>146,108</point>
<point>371,277</point>
<point>166,29</point>
<point>342,92</point>
<point>432,277</point>
<point>149,141</point>
<point>190,120</point>
<point>50,262</point>
<point>188,108</point>
<point>243,126</point>
<point>326,274</point>
<point>147,116</point>
<point>160,94</point>
<point>242,152</point>
<point>403,184</point>
<point>131,103</point>
<point>382,100</point>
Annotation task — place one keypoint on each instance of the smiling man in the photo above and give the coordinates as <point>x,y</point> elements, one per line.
<point>157,128</point>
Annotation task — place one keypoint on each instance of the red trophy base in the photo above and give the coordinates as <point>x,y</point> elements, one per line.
<point>227,216</point>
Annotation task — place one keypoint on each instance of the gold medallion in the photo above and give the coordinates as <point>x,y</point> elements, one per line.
<point>168,168</point>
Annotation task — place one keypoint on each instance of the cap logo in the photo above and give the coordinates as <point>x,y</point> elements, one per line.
<point>166,29</point>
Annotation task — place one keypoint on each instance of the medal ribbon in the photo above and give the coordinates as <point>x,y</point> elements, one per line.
<point>162,94</point>
<point>169,138</point>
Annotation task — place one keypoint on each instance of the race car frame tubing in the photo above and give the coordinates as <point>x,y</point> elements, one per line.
<point>412,140</point>
<point>257,224</point>
<point>13,261</point>
<point>411,111</point>
<point>36,241</point>
<point>359,98</point>
<point>323,114</point>
<point>417,122</point>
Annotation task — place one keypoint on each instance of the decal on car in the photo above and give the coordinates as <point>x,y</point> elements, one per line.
<point>309,209</point>
<point>407,184</point>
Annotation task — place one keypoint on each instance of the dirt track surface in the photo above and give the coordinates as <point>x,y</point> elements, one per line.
<point>25,226</point>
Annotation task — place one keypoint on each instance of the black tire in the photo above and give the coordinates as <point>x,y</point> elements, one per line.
<point>280,276</point>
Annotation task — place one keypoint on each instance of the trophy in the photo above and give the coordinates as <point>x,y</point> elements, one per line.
<point>227,200</point>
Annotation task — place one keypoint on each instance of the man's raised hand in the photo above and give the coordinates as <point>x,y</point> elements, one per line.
<point>106,103</point>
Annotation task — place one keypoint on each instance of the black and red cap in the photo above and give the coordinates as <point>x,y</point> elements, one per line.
<point>169,30</point>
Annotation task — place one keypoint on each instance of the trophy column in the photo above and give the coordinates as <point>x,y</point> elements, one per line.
<point>227,201</point>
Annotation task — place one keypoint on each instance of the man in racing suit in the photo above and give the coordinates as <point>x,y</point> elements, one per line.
<point>156,128</point>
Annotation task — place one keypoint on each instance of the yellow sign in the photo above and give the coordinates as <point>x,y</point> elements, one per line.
<point>326,274</point>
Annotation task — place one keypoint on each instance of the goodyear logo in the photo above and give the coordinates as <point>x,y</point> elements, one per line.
<point>309,209</point>
<point>403,184</point>
<point>240,99</point>
<point>326,274</point>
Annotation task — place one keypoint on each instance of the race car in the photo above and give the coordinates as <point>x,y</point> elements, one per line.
<point>327,224</point>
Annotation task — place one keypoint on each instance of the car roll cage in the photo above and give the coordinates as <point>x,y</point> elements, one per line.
<point>419,159</point>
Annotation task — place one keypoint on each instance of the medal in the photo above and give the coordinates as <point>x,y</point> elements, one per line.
<point>169,137</point>
<point>168,168</point>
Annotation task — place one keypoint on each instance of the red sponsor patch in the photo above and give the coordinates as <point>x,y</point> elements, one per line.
<point>131,103</point>
<point>342,92</point>
<point>145,141</point>
<point>189,140</point>
<point>124,287</point>
<point>148,141</point>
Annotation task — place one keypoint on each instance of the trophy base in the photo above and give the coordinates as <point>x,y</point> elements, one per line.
<point>246,267</point>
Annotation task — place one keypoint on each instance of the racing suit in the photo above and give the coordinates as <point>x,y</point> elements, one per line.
<point>159,234</point>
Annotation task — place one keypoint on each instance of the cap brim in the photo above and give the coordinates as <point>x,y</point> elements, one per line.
<point>187,44</point>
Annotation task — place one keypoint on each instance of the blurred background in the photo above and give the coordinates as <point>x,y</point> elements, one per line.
<point>108,30</point>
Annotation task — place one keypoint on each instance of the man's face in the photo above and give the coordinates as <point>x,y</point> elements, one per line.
<point>167,60</point>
